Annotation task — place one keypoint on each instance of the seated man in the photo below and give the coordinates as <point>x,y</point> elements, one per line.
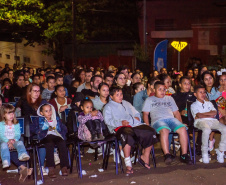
<point>165,117</point>
<point>204,114</point>
<point>121,117</point>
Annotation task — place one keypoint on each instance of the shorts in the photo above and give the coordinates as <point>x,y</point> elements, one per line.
<point>172,124</point>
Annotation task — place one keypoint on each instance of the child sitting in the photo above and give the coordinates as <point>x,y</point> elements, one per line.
<point>165,118</point>
<point>204,114</point>
<point>93,120</point>
<point>137,87</point>
<point>9,140</point>
<point>52,132</point>
<point>121,117</point>
<point>46,93</point>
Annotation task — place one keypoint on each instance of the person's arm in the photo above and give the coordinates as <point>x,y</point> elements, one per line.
<point>177,115</point>
<point>210,114</point>
<point>83,119</point>
<point>109,119</point>
<point>146,117</point>
<point>17,132</point>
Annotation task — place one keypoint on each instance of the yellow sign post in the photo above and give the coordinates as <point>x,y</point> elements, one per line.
<point>179,46</point>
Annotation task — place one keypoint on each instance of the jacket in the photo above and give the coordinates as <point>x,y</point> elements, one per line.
<point>42,128</point>
<point>3,139</point>
<point>114,113</point>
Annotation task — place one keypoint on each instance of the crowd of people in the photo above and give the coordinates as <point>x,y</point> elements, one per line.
<point>109,101</point>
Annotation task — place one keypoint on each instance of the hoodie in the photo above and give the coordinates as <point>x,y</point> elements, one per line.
<point>43,127</point>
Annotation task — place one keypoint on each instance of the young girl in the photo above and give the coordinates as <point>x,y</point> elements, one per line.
<point>52,132</point>
<point>91,123</point>
<point>100,101</point>
<point>165,78</point>
<point>9,139</point>
<point>59,101</point>
<point>137,87</point>
<point>5,89</point>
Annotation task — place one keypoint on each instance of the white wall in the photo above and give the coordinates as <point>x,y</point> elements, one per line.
<point>34,53</point>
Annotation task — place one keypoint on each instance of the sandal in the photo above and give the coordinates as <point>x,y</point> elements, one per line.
<point>142,163</point>
<point>24,173</point>
<point>129,171</point>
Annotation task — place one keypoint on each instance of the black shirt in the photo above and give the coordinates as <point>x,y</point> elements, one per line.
<point>89,92</point>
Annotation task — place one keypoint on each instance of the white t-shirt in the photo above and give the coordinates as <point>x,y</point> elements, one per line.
<point>53,132</point>
<point>9,132</point>
<point>198,107</point>
<point>160,108</point>
<point>59,105</point>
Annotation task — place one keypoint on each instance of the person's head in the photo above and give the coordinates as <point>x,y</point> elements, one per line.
<point>207,79</point>
<point>103,90</point>
<point>36,79</point>
<point>26,75</point>
<point>59,91</point>
<point>59,79</point>
<point>196,71</point>
<point>165,78</point>
<point>108,78</point>
<point>46,111</point>
<point>137,87</point>
<point>8,114</point>
<point>185,84</point>
<point>200,93</point>
<point>151,83</point>
<point>116,94</point>
<point>50,82</point>
<point>160,89</point>
<point>155,73</point>
<point>31,71</point>
<point>181,73</point>
<point>81,75</point>
<point>135,78</point>
<point>7,82</point>
<point>202,69</point>
<point>20,80</point>
<point>222,80</point>
<point>57,70</point>
<point>214,72</point>
<point>11,74</point>
<point>4,75</point>
<point>95,81</point>
<point>163,71</point>
<point>87,106</point>
<point>120,79</point>
<point>88,76</point>
<point>33,95</point>
<point>75,83</point>
<point>189,73</point>
<point>77,99</point>
<point>124,69</point>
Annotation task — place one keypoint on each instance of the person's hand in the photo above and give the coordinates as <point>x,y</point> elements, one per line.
<point>184,112</point>
<point>62,108</point>
<point>125,123</point>
<point>12,141</point>
<point>10,145</point>
<point>94,113</point>
<point>137,118</point>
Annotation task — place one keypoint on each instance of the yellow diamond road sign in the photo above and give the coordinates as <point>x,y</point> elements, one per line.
<point>179,46</point>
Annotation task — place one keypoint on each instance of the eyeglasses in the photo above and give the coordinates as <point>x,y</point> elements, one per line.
<point>36,91</point>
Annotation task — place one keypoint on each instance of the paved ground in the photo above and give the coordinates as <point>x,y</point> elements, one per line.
<point>177,173</point>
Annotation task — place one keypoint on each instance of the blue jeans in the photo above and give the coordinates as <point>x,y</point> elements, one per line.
<point>5,153</point>
<point>172,124</point>
<point>42,155</point>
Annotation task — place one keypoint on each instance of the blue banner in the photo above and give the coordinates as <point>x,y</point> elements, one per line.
<point>160,55</point>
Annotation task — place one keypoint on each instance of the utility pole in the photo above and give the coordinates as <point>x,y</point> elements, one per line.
<point>144,26</point>
<point>74,51</point>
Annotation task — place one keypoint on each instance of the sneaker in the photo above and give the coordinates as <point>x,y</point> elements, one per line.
<point>24,157</point>
<point>205,158</point>
<point>56,158</point>
<point>64,171</point>
<point>169,159</point>
<point>185,158</point>
<point>5,164</point>
<point>44,171</point>
<point>220,156</point>
<point>211,144</point>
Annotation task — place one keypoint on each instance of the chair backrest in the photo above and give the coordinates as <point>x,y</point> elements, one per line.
<point>16,99</point>
<point>189,114</point>
<point>21,122</point>
<point>33,118</point>
<point>216,107</point>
